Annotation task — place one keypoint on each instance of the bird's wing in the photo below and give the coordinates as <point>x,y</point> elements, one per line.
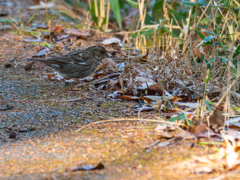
<point>75,57</point>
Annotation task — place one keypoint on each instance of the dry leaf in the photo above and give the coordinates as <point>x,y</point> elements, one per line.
<point>77,33</point>
<point>43,6</point>
<point>196,40</point>
<point>57,29</point>
<point>111,41</point>
<point>110,64</point>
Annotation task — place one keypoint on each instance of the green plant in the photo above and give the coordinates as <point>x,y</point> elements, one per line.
<point>19,25</point>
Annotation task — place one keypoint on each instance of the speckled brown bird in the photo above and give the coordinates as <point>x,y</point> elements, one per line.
<point>76,64</point>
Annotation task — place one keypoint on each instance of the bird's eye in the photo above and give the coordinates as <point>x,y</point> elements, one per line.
<point>102,52</point>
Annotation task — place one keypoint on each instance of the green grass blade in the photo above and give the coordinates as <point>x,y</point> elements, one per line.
<point>116,11</point>
<point>208,106</point>
<point>134,4</point>
<point>169,32</point>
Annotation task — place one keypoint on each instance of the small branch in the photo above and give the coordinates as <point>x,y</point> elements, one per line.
<point>230,87</point>
<point>117,120</point>
<point>97,80</point>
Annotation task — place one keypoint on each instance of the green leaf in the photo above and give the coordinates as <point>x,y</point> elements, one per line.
<point>219,19</point>
<point>31,18</point>
<point>212,60</point>
<point>206,39</point>
<point>210,32</point>
<point>234,70</point>
<point>217,31</point>
<point>5,27</point>
<point>20,18</point>
<point>208,65</point>
<point>200,34</point>
<point>144,32</point>
<point>187,121</point>
<point>222,58</point>
<point>208,105</point>
<point>148,19</point>
<point>180,117</point>
<point>236,52</point>
<point>200,2</point>
<point>134,4</point>
<point>157,11</point>
<point>208,76</point>
<point>236,108</point>
<point>213,103</point>
<point>211,143</point>
<point>177,15</point>
<point>93,11</point>
<point>169,32</point>
<point>116,11</point>
<point>217,44</point>
<point>226,4</point>
<point>224,49</point>
<point>5,20</point>
<point>205,21</point>
<point>238,17</point>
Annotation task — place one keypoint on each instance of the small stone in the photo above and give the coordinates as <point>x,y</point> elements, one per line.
<point>28,66</point>
<point>12,135</point>
<point>8,65</point>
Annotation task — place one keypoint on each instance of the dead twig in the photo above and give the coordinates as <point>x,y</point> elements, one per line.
<point>117,120</point>
<point>97,80</point>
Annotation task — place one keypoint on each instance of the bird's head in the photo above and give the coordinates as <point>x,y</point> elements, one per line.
<point>98,52</point>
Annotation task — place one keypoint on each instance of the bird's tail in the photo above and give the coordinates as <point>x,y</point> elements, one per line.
<point>34,59</point>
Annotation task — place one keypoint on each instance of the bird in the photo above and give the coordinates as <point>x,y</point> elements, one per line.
<point>76,64</point>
